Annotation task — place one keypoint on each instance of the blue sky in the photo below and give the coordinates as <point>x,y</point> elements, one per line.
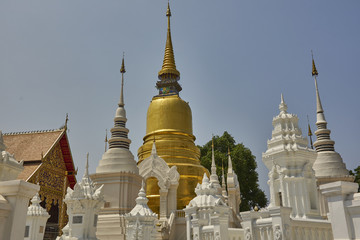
<point>235,58</point>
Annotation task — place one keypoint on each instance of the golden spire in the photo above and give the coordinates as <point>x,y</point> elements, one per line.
<point>169,68</point>
<point>314,70</point>
<point>122,71</point>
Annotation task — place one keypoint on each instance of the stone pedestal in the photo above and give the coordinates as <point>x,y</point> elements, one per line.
<point>344,208</point>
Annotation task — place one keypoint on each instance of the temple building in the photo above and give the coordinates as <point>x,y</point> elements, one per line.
<point>169,122</point>
<point>49,163</point>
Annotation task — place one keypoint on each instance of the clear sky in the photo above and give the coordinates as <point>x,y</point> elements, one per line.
<point>235,58</point>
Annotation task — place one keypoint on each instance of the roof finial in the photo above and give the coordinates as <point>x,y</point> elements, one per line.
<point>310,133</point>
<point>66,120</point>
<point>106,140</point>
<point>282,106</point>
<point>153,149</point>
<point>168,69</point>
<point>122,71</point>
<point>314,70</point>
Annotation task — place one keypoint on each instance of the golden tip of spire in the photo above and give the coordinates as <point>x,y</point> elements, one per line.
<point>168,12</point>
<point>169,68</point>
<point>314,70</point>
<point>122,69</point>
<point>229,151</point>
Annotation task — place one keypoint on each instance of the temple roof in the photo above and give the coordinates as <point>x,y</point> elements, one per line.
<point>32,146</point>
<point>29,146</point>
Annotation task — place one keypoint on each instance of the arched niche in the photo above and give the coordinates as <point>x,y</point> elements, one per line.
<point>154,167</point>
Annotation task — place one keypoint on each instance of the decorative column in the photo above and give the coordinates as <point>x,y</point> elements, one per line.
<point>163,203</point>
<point>172,198</point>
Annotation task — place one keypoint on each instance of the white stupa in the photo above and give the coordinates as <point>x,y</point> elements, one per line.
<point>118,172</point>
<point>329,165</point>
<point>289,161</point>
<point>141,220</point>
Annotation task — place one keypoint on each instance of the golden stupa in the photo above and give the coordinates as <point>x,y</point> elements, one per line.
<point>169,123</point>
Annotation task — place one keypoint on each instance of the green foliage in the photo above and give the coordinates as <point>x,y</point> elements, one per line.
<point>356,173</point>
<point>244,166</point>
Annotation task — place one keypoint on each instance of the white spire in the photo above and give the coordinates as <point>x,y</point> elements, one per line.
<point>323,142</point>
<point>141,207</point>
<point>214,179</point>
<point>282,106</point>
<point>223,185</point>
<point>153,150</point>
<point>86,173</point>
<point>119,133</point>
<point>320,117</point>
<point>213,165</point>
<point>230,169</point>
<point>118,157</point>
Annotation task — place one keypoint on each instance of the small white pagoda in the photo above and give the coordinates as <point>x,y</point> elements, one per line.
<point>83,205</point>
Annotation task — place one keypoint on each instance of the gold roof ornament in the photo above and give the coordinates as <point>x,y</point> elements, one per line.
<point>168,69</point>
<point>122,69</point>
<point>314,70</point>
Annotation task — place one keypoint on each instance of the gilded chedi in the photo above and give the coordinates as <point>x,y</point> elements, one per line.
<point>169,122</point>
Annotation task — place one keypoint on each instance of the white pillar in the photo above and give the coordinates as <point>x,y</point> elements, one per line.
<point>172,203</point>
<point>336,193</point>
<point>188,227</point>
<point>17,193</point>
<point>163,203</point>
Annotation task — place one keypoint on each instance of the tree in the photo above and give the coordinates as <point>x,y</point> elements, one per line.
<point>356,173</point>
<point>244,166</point>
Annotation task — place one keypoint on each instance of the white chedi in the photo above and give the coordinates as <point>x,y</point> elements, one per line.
<point>141,219</point>
<point>289,161</point>
<point>36,219</point>
<point>83,205</point>
<point>118,172</point>
<point>206,195</point>
<point>207,215</point>
<point>329,165</point>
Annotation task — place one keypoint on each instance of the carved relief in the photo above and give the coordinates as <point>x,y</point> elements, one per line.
<point>248,235</point>
<point>277,232</point>
<point>51,176</point>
